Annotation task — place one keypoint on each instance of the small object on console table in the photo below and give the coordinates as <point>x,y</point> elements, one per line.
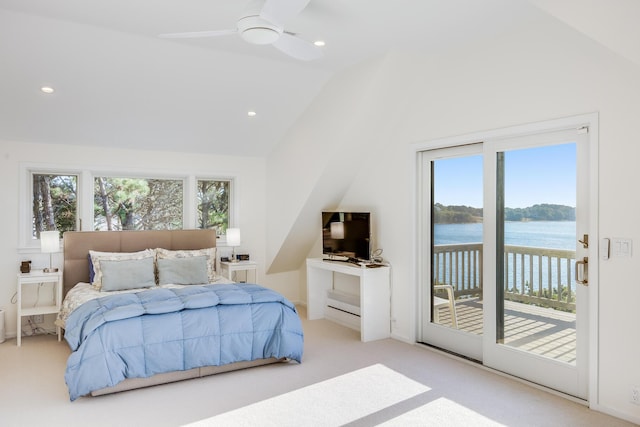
<point>25,267</point>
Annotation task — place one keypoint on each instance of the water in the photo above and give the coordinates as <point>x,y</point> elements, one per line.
<point>539,234</point>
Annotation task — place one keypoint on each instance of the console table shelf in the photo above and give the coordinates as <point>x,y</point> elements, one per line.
<point>374,320</point>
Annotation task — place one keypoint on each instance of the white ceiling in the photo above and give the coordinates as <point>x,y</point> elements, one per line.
<point>118,84</point>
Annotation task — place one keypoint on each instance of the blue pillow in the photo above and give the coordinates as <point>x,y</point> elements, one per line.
<point>127,274</point>
<point>92,272</point>
<point>183,271</point>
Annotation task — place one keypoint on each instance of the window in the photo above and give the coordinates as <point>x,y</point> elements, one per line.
<point>137,204</point>
<point>65,200</point>
<point>54,203</point>
<point>213,205</point>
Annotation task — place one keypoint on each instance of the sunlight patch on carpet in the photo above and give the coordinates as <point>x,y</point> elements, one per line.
<point>441,412</point>
<point>333,402</point>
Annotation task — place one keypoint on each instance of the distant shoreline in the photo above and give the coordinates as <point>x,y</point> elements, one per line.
<point>468,215</point>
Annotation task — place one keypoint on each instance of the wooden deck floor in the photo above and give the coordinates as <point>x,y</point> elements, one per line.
<point>541,331</point>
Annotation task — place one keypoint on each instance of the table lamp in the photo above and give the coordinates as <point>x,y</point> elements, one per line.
<point>49,243</point>
<point>233,240</point>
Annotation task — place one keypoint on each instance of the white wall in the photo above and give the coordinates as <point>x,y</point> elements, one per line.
<point>316,167</point>
<point>249,175</point>
<point>542,72</point>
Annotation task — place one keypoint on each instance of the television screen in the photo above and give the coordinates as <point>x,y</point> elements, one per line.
<point>346,234</point>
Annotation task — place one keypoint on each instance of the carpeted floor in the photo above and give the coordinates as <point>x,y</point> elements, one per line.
<point>341,381</point>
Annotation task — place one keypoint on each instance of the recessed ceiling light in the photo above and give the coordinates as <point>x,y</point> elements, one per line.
<point>47,89</point>
<point>251,113</point>
<point>319,43</point>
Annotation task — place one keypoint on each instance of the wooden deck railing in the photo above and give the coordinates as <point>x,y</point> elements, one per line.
<point>539,276</point>
<point>459,265</point>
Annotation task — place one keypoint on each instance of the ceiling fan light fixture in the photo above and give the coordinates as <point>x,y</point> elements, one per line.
<point>260,35</point>
<point>256,30</point>
<point>262,24</point>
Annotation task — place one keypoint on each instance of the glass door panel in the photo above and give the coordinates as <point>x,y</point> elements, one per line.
<point>456,216</point>
<point>451,249</point>
<point>536,245</point>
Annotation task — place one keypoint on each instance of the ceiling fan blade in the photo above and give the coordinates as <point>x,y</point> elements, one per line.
<point>196,34</point>
<point>279,11</point>
<point>297,48</point>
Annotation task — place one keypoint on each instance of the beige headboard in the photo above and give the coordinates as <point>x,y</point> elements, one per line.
<point>78,243</point>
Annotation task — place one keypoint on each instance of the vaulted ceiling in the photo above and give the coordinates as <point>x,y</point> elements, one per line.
<point>118,84</point>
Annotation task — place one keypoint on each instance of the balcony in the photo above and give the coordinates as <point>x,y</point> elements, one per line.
<point>539,294</point>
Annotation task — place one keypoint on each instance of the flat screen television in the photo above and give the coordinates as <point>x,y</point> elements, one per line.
<point>346,234</point>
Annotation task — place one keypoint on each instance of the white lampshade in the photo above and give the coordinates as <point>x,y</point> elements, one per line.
<point>49,241</point>
<point>233,236</point>
<point>337,230</point>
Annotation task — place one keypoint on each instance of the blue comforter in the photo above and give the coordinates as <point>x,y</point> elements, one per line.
<point>163,330</point>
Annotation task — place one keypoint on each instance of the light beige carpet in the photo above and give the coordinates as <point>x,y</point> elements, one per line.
<point>334,402</point>
<point>353,398</point>
<point>341,381</point>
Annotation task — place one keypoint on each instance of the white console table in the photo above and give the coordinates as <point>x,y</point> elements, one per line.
<point>375,293</point>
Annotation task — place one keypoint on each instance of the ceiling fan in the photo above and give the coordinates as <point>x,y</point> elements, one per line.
<point>262,24</point>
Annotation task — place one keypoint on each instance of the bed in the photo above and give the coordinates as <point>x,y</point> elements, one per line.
<point>126,331</point>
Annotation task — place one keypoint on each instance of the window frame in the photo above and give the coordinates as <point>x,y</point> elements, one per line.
<point>85,195</point>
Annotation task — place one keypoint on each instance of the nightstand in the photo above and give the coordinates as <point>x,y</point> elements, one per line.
<point>228,268</point>
<point>34,279</point>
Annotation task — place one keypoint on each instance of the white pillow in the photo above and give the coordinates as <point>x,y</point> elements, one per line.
<point>97,256</point>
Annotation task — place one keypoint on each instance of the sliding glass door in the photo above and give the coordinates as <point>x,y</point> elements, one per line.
<point>503,248</point>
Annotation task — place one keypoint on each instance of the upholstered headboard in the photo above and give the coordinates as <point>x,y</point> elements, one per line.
<point>78,243</point>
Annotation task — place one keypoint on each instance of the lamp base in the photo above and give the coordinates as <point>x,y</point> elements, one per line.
<point>50,270</point>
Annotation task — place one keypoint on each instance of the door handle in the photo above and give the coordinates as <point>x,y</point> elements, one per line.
<point>584,241</point>
<point>585,270</point>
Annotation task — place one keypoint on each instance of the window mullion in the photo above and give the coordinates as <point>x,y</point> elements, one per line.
<point>86,203</point>
<point>190,203</point>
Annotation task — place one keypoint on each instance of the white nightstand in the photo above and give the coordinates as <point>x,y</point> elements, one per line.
<point>228,268</point>
<point>37,277</point>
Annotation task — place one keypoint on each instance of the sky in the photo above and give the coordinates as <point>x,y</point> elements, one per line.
<point>533,176</point>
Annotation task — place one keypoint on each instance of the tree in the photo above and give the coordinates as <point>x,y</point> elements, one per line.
<point>161,209</point>
<point>213,204</point>
<point>119,197</point>
<point>48,218</point>
<point>456,214</point>
<point>103,200</point>
<point>137,204</point>
<point>467,214</point>
<point>54,203</point>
